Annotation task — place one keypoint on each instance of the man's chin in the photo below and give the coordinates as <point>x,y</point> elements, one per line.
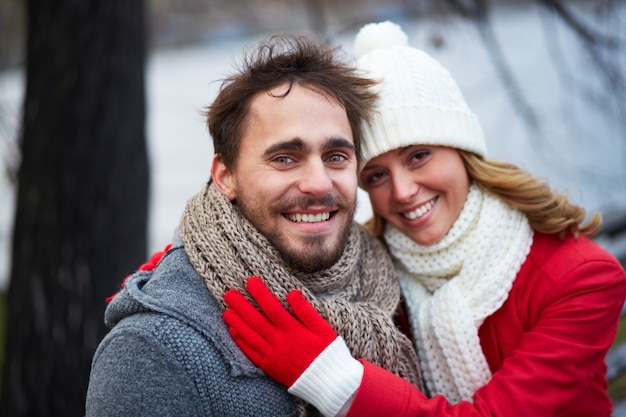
<point>314,255</point>
<point>311,264</point>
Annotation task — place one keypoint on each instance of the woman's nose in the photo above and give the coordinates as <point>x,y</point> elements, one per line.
<point>404,188</point>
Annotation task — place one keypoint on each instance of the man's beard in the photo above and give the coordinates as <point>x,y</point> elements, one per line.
<point>317,252</point>
<point>315,256</point>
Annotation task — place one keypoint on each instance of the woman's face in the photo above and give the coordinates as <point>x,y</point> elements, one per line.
<point>419,189</point>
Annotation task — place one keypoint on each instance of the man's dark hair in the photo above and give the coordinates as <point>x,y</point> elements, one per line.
<point>293,60</point>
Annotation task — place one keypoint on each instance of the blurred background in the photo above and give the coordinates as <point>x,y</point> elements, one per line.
<point>100,116</point>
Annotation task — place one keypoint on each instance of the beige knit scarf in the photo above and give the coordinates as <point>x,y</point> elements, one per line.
<point>358,295</point>
<point>454,284</point>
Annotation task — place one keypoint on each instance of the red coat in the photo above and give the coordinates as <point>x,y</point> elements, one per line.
<point>545,346</point>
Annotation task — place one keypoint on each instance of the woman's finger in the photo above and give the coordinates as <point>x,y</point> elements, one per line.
<point>308,315</point>
<point>269,304</point>
<point>249,341</point>
<point>245,309</point>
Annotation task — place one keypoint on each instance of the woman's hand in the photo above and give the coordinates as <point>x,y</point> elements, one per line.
<point>282,345</point>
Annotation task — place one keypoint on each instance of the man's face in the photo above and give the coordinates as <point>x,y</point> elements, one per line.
<point>295,176</point>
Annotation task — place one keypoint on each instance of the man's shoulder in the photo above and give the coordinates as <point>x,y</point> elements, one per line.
<point>169,312</point>
<point>171,305</point>
<point>189,370</point>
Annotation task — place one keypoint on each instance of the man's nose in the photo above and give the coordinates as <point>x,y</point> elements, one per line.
<point>315,179</point>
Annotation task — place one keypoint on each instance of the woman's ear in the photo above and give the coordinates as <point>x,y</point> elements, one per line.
<point>223,178</point>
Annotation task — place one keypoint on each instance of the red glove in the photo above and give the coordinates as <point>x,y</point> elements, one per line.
<point>281,345</point>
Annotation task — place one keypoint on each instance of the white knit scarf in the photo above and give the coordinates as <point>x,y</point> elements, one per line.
<point>453,285</point>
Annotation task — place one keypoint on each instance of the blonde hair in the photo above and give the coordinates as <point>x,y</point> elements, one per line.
<point>547,210</point>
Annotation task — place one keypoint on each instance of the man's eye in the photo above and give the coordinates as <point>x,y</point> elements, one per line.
<point>337,158</point>
<point>283,159</point>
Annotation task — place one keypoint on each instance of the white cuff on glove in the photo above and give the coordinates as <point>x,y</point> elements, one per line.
<point>330,380</point>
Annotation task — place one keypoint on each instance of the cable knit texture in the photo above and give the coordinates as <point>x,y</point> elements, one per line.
<point>419,100</point>
<point>453,285</point>
<point>358,295</point>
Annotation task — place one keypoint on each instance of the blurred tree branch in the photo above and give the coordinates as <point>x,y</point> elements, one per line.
<point>601,47</point>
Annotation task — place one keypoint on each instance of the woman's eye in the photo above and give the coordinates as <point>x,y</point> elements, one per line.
<point>375,177</point>
<point>420,155</point>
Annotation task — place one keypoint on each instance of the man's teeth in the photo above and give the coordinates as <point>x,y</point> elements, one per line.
<point>309,218</point>
<point>420,211</point>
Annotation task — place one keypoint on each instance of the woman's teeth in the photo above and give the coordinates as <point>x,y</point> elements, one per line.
<point>420,211</point>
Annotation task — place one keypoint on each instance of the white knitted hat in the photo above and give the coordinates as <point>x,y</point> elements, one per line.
<point>420,103</point>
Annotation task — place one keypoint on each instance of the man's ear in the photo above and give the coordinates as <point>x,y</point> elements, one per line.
<point>223,179</point>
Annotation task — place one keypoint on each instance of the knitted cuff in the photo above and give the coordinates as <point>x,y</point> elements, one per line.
<point>330,380</point>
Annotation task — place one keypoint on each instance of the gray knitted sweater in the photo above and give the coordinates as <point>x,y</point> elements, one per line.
<point>169,353</point>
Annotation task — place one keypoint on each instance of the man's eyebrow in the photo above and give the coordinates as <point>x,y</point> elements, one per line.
<point>339,143</point>
<point>296,144</point>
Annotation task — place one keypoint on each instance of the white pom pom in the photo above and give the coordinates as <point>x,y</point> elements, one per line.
<point>378,35</point>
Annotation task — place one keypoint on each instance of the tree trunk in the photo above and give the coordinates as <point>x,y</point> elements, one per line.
<point>82,199</point>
